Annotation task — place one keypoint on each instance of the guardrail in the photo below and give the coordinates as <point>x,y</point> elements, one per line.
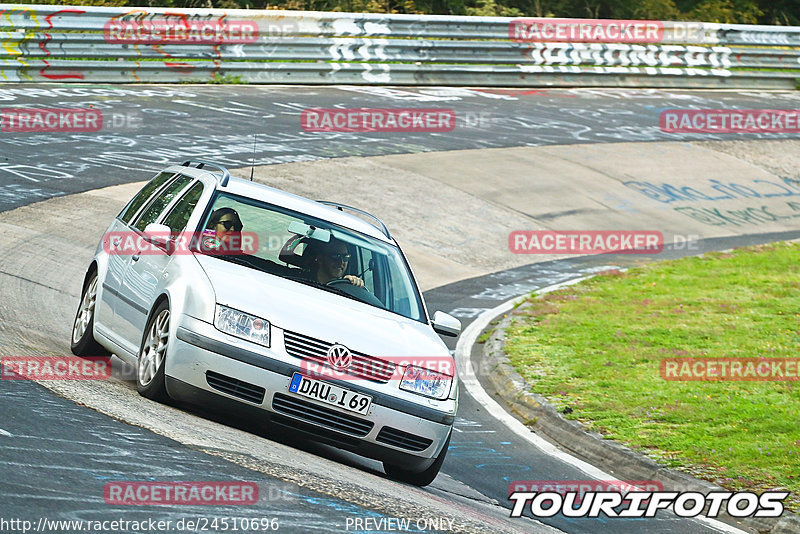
<point>103,44</point>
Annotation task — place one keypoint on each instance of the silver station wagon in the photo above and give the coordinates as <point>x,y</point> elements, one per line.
<point>220,290</point>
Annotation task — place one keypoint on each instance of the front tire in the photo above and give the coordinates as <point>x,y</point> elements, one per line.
<point>150,382</point>
<point>83,342</point>
<point>422,478</point>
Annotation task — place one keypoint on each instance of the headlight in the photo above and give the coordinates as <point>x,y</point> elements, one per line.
<point>426,382</point>
<point>242,325</point>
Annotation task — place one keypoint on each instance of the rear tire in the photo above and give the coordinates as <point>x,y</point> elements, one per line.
<point>150,381</point>
<point>422,478</point>
<point>83,342</point>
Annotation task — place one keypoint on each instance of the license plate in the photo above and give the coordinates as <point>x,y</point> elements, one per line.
<point>330,394</point>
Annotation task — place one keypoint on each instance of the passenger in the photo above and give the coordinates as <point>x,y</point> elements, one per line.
<point>227,227</point>
<point>328,261</point>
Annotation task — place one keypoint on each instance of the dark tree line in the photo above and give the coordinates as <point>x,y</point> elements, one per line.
<point>781,12</point>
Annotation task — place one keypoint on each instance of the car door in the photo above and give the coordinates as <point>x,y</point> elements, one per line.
<point>144,272</point>
<point>118,257</point>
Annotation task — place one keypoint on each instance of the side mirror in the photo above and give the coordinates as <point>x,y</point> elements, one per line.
<point>157,234</point>
<point>446,324</point>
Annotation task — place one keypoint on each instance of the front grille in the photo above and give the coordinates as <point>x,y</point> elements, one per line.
<point>324,435</point>
<point>362,366</point>
<point>235,388</point>
<point>403,440</point>
<point>320,415</point>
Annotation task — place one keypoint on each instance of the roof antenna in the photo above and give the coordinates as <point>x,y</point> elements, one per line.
<point>253,166</point>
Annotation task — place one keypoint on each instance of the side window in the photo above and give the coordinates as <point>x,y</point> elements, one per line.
<point>180,213</point>
<point>364,257</point>
<point>143,195</point>
<point>160,202</point>
<point>400,293</point>
<point>372,277</point>
<point>271,227</point>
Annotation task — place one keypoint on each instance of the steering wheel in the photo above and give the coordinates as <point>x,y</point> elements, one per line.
<point>339,281</point>
<point>361,293</point>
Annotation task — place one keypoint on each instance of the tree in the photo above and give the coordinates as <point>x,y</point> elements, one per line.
<point>489,8</point>
<point>784,12</point>
<point>779,12</point>
<point>655,10</point>
<point>726,11</point>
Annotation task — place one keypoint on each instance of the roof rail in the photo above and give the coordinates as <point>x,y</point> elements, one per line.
<point>342,207</point>
<point>199,164</point>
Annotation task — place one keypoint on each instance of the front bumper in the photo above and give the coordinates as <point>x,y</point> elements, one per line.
<point>259,377</point>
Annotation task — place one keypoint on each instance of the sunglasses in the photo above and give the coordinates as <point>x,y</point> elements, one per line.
<point>230,225</point>
<point>340,257</point>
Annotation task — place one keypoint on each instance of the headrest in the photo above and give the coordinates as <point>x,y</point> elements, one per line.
<point>288,255</point>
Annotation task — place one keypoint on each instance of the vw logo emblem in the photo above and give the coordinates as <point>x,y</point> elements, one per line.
<point>339,357</point>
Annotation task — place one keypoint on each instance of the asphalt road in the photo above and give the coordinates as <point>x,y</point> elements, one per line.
<point>58,456</point>
<point>46,468</point>
<point>146,127</point>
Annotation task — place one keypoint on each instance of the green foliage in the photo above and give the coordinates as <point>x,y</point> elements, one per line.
<point>782,12</point>
<point>110,3</point>
<point>655,10</point>
<point>726,11</point>
<point>218,78</point>
<point>490,8</point>
<point>484,337</point>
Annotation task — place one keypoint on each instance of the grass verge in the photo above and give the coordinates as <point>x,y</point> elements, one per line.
<point>593,349</point>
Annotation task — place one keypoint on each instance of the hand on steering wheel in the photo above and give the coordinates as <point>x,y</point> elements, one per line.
<point>349,278</point>
<point>356,281</point>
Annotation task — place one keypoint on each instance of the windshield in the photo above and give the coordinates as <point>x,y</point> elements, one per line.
<point>312,252</point>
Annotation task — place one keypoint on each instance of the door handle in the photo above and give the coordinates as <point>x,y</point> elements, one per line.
<point>135,258</point>
<point>116,241</point>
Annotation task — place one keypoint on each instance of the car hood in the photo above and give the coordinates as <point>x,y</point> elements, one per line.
<point>320,314</point>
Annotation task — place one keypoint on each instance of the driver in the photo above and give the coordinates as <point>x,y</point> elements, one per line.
<point>328,261</point>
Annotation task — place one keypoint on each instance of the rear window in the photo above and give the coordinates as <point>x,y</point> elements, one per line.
<point>182,210</point>
<point>161,201</point>
<point>143,195</point>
